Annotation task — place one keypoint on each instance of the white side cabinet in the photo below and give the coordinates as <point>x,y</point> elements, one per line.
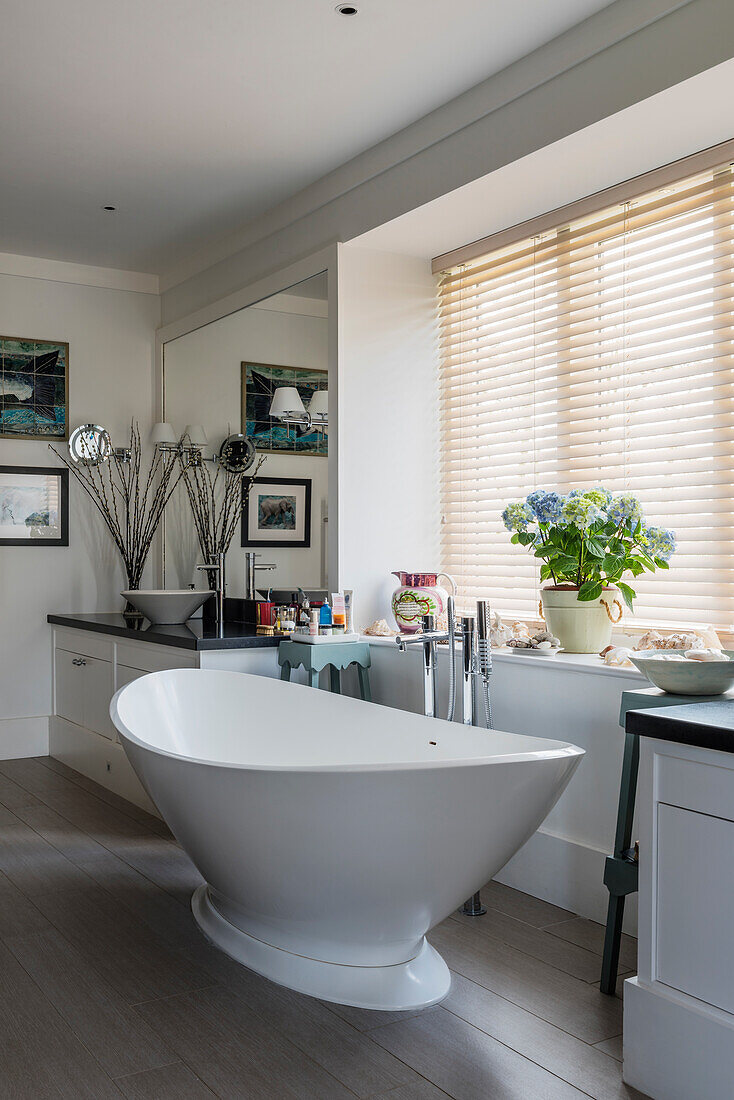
<point>88,670</point>
<point>679,1010</point>
<point>89,667</point>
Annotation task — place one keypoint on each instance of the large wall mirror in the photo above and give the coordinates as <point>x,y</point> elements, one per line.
<point>222,378</point>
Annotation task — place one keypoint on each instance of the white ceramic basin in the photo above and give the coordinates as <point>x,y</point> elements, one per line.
<point>167,607</point>
<point>686,677</point>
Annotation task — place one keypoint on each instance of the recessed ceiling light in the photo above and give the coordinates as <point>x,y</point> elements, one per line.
<point>109,208</point>
<point>346,9</point>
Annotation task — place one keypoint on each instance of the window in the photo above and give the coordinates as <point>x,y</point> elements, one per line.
<point>597,350</point>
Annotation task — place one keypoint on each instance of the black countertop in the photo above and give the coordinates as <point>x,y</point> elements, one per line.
<point>709,725</point>
<point>196,634</point>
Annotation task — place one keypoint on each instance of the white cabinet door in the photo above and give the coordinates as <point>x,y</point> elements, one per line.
<point>126,675</point>
<point>69,686</point>
<point>695,898</point>
<point>98,690</point>
<point>84,687</point>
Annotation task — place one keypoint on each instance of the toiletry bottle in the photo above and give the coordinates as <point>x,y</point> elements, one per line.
<point>338,613</point>
<point>325,619</point>
<point>304,615</point>
<point>313,622</point>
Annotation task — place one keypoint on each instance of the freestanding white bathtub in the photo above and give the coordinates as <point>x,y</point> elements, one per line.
<point>332,833</point>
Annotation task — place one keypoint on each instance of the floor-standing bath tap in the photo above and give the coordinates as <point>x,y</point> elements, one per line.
<point>467,634</point>
<point>476,669</point>
<point>428,639</point>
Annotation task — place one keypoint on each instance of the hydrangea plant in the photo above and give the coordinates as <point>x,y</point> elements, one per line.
<point>589,538</point>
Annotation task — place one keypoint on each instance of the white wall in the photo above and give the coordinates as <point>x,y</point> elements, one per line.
<point>388,424</point>
<point>202,385</point>
<point>111,342</point>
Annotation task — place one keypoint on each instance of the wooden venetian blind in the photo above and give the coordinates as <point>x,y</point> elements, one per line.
<point>597,352</point>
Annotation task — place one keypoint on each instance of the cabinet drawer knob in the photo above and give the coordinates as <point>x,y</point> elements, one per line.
<point>78,661</point>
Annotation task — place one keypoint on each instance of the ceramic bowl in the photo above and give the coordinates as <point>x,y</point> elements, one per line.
<point>167,607</point>
<point>686,677</point>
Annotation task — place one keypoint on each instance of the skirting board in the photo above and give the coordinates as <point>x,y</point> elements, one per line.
<point>566,873</point>
<point>21,737</point>
<point>99,759</point>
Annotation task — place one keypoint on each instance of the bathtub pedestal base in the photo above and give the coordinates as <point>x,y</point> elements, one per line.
<point>423,980</point>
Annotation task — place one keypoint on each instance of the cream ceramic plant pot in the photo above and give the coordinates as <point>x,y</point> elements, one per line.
<point>581,626</point>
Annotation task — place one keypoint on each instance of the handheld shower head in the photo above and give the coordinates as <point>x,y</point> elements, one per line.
<point>484,655</point>
<point>484,645</point>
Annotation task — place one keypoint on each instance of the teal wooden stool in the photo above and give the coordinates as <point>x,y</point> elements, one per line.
<point>335,656</point>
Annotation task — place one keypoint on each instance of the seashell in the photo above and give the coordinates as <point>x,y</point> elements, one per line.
<point>379,629</point>
<point>617,655</point>
<point>705,655</point>
<point>544,644</point>
<point>500,632</point>
<point>679,640</point>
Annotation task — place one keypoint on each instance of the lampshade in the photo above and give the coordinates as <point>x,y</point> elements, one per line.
<point>319,405</point>
<point>197,435</point>
<point>162,433</point>
<point>286,399</point>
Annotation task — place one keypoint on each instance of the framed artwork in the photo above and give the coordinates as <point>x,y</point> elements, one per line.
<point>259,380</point>
<point>34,506</point>
<point>34,389</point>
<point>278,512</point>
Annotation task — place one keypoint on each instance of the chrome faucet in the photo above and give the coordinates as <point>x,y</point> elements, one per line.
<point>428,639</point>
<point>221,584</point>
<point>250,566</point>
<point>476,669</point>
<point>468,634</point>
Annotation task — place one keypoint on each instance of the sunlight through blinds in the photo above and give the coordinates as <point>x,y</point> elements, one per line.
<point>598,352</point>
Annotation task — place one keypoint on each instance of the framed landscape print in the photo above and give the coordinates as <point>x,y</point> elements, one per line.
<point>34,389</point>
<point>278,513</point>
<point>34,506</point>
<point>259,380</point>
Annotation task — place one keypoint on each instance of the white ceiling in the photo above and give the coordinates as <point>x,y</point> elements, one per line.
<point>194,116</point>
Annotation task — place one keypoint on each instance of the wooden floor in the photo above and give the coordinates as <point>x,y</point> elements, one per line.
<point>107,989</point>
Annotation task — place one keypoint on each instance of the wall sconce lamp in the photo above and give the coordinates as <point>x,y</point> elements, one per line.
<point>236,454</point>
<point>288,407</point>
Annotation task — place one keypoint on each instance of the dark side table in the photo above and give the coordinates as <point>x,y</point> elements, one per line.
<point>621,868</point>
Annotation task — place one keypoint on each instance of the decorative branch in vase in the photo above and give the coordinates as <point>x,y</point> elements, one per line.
<point>130,500</point>
<point>217,503</point>
<point>587,541</point>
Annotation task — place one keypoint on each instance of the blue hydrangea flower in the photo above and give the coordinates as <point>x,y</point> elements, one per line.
<point>658,542</point>
<point>517,516</point>
<point>625,507</point>
<point>546,506</point>
<point>579,512</point>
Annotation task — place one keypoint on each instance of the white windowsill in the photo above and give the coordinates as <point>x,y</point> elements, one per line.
<point>588,663</point>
